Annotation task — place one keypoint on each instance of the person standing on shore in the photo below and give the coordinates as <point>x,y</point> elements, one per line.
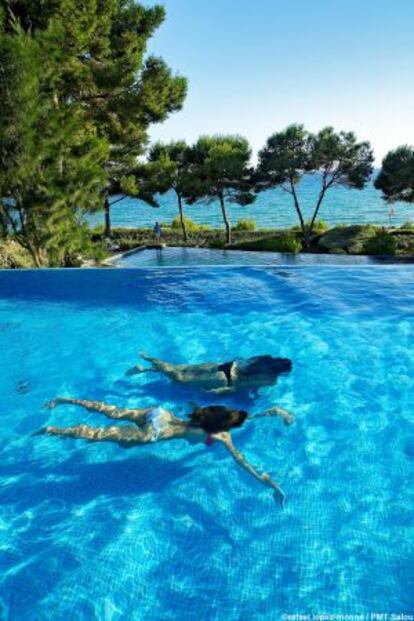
<point>158,231</point>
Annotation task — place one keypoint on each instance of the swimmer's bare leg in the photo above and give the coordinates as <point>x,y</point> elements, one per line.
<point>110,411</point>
<point>172,371</point>
<point>124,436</point>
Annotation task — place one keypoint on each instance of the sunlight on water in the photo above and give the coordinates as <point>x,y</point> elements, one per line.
<point>96,532</point>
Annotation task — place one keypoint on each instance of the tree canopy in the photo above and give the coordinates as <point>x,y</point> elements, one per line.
<point>86,95</point>
<point>396,177</point>
<point>338,159</point>
<point>220,170</point>
<point>51,157</point>
<point>168,168</point>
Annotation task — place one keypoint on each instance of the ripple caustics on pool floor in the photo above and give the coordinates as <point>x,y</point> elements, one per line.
<point>172,531</point>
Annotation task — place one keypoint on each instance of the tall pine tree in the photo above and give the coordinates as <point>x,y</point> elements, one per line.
<point>87,96</point>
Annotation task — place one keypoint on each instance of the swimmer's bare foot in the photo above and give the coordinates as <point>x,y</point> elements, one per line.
<point>279,497</point>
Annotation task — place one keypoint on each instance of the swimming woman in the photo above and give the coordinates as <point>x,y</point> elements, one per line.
<point>239,374</point>
<point>204,425</point>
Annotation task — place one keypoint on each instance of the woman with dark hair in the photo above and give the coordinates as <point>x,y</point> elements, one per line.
<point>204,425</point>
<point>239,374</point>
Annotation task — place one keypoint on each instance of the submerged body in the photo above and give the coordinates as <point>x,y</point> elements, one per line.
<point>250,374</point>
<point>157,424</point>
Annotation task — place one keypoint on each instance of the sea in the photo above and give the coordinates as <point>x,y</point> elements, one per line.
<point>272,209</point>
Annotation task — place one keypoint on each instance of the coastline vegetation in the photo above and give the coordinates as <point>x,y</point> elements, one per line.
<point>341,239</point>
<point>78,95</point>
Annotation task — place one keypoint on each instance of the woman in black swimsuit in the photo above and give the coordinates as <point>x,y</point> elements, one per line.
<point>252,373</point>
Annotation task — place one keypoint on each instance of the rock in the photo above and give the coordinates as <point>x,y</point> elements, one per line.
<point>346,239</point>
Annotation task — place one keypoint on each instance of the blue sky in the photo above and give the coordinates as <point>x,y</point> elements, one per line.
<point>256,66</point>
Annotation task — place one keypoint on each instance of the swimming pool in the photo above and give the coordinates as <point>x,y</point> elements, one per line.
<point>180,256</point>
<point>91,531</point>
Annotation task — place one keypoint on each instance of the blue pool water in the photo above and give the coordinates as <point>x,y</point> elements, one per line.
<point>272,209</point>
<point>183,257</point>
<point>96,532</point>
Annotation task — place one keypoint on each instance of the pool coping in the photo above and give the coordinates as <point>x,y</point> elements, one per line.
<point>109,262</point>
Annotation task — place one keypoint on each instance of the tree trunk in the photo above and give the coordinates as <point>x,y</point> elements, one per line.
<point>107,211</point>
<point>298,210</point>
<point>225,218</point>
<point>4,229</point>
<point>39,255</point>
<point>315,214</point>
<point>180,207</point>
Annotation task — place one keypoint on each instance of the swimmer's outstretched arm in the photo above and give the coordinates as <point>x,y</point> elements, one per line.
<point>264,478</point>
<point>286,416</point>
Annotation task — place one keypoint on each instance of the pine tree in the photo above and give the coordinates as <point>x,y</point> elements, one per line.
<point>86,97</point>
<point>396,177</point>
<point>52,159</point>
<point>337,158</point>
<point>219,170</point>
<point>168,168</point>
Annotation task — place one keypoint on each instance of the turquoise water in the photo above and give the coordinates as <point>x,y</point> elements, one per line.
<point>271,209</point>
<point>96,532</point>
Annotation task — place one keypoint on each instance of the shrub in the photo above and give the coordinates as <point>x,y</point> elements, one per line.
<point>245,225</point>
<point>380,243</point>
<point>407,225</point>
<point>319,227</point>
<point>98,230</point>
<point>217,243</point>
<point>287,242</point>
<point>12,255</point>
<point>191,226</point>
<point>282,242</point>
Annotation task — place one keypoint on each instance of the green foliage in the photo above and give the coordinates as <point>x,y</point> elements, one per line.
<point>190,225</point>
<point>219,170</point>
<point>396,177</point>
<point>287,243</point>
<point>319,227</point>
<point>13,255</point>
<point>382,243</point>
<point>168,166</point>
<point>282,242</point>
<point>51,167</point>
<point>168,169</point>
<point>337,158</point>
<point>217,244</point>
<point>340,159</point>
<point>245,224</point>
<point>407,225</point>
<point>77,98</point>
<point>284,159</point>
